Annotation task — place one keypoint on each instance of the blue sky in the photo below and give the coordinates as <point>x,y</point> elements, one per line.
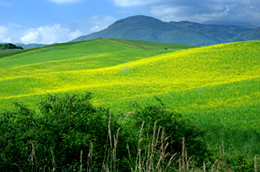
<point>51,21</point>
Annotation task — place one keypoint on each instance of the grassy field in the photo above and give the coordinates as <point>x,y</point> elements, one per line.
<point>216,86</point>
<point>18,73</point>
<point>9,52</point>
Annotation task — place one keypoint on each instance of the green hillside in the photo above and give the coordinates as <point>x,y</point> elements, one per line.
<point>20,74</point>
<point>249,35</point>
<point>216,86</point>
<point>9,49</point>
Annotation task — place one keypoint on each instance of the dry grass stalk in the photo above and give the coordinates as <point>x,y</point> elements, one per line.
<point>255,164</point>
<point>139,155</point>
<point>130,157</point>
<point>109,162</point>
<point>146,159</point>
<point>53,160</point>
<point>180,165</point>
<point>163,153</point>
<point>89,160</point>
<point>81,164</point>
<point>183,155</point>
<point>114,149</point>
<point>109,131</point>
<point>170,161</point>
<point>215,166</point>
<point>33,156</point>
<point>222,149</point>
<point>18,167</point>
<point>204,166</point>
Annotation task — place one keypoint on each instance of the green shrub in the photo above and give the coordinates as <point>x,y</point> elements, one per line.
<point>58,137</point>
<point>175,126</point>
<point>69,133</point>
<point>9,46</point>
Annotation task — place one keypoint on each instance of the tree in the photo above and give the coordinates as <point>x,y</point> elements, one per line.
<point>9,46</point>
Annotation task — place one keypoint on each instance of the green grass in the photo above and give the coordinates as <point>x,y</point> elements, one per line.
<point>9,52</point>
<point>216,86</point>
<point>152,45</point>
<point>25,73</point>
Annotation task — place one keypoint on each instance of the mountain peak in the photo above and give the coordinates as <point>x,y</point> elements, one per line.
<point>140,20</point>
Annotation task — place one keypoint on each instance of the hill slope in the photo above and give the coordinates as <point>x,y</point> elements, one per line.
<point>216,86</point>
<point>253,34</point>
<point>151,29</point>
<point>95,54</point>
<point>124,66</point>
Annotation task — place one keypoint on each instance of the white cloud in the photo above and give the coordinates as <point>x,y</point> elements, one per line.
<point>198,11</point>
<point>31,37</point>
<point>100,22</point>
<point>166,10</point>
<point>64,1</point>
<point>49,35</point>
<point>74,34</point>
<point>203,10</point>
<point>4,34</point>
<point>130,3</point>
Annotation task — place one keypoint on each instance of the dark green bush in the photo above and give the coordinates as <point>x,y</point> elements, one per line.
<point>69,133</point>
<point>176,128</point>
<point>56,137</point>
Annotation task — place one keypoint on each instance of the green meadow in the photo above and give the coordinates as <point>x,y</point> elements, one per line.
<point>217,86</point>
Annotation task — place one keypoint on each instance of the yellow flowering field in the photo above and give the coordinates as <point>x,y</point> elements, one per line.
<point>117,80</point>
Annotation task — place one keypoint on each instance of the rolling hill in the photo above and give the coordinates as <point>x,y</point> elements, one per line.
<point>94,54</point>
<point>147,68</point>
<point>151,29</point>
<point>217,86</point>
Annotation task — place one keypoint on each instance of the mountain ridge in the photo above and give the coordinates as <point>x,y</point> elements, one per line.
<point>147,28</point>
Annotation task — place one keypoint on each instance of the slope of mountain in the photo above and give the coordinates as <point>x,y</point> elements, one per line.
<point>234,23</point>
<point>151,29</point>
<point>253,34</point>
<point>25,46</point>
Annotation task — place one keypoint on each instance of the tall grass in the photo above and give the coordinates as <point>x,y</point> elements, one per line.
<point>148,158</point>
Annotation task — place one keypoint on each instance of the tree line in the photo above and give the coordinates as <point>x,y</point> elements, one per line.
<point>9,46</point>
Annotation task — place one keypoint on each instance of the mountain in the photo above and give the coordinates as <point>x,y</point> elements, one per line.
<point>25,46</point>
<point>253,34</point>
<point>235,23</point>
<point>150,29</point>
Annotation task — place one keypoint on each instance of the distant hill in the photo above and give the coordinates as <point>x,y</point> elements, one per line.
<point>9,46</point>
<point>253,34</point>
<point>25,46</point>
<point>151,29</point>
<point>234,23</point>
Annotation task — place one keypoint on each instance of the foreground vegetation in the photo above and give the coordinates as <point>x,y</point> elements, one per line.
<point>68,133</point>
